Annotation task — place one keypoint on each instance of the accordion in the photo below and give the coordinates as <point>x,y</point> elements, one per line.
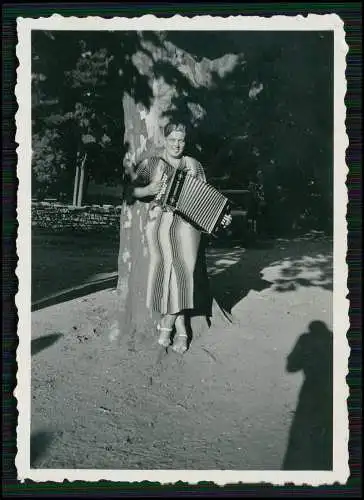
<point>196,201</point>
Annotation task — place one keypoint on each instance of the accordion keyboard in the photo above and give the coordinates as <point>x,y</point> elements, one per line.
<point>201,203</point>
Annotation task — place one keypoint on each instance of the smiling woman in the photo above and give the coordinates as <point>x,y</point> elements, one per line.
<point>175,141</point>
<point>173,243</point>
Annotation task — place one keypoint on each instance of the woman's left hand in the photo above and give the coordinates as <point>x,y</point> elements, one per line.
<point>226,221</point>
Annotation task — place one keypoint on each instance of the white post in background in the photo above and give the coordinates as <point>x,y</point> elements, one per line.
<point>82,179</point>
<point>75,187</point>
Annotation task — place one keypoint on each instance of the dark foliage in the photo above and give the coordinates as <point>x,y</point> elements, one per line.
<point>268,123</point>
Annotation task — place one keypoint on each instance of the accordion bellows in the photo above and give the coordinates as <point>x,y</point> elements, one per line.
<point>195,200</point>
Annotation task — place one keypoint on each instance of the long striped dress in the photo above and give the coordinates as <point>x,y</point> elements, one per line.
<point>173,246</point>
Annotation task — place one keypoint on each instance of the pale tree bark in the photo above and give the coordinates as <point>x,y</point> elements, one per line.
<point>143,135</point>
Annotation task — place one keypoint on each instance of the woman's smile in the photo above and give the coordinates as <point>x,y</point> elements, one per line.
<point>175,143</point>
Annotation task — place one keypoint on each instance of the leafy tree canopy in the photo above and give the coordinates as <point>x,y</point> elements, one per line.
<point>267,107</point>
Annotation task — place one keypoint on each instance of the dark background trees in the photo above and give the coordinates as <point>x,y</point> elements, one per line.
<point>259,107</point>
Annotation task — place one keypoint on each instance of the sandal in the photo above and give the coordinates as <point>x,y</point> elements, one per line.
<point>180,343</point>
<point>164,338</point>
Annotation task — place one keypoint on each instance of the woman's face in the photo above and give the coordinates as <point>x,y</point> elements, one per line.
<point>175,143</point>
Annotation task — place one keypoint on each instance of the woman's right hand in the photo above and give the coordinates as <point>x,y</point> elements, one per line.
<point>154,187</point>
<point>129,165</point>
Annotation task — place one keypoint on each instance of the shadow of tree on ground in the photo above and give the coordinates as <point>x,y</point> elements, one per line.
<point>44,342</point>
<point>62,262</point>
<point>306,271</point>
<point>285,267</point>
<point>39,442</point>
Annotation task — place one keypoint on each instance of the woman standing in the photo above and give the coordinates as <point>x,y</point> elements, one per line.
<point>173,243</point>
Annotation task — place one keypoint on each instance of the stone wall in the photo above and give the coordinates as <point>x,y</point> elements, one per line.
<point>60,217</point>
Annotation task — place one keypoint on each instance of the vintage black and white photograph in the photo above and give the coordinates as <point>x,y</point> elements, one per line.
<point>182,241</point>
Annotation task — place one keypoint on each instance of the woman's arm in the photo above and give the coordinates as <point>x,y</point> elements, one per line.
<point>140,192</point>
<point>140,184</point>
<point>146,191</point>
<point>195,168</point>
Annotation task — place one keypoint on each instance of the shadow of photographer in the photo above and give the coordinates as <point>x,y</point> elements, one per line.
<point>311,435</point>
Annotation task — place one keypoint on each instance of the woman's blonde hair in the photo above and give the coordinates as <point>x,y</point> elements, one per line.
<point>174,127</point>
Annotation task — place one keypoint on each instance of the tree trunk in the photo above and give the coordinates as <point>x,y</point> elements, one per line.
<point>143,136</point>
<point>133,251</point>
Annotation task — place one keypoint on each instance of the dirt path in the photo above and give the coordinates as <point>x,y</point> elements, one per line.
<point>228,403</point>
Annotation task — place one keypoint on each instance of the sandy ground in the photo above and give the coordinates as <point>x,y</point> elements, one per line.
<point>228,403</point>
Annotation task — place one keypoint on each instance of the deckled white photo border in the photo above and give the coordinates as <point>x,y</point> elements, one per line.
<point>341,323</point>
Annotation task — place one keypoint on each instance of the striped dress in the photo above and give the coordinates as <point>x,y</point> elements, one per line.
<point>173,246</point>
